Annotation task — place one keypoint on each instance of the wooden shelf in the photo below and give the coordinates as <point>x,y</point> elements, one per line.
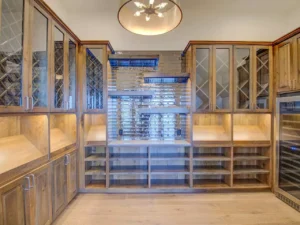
<point>210,133</point>
<point>249,170</point>
<point>96,136</point>
<point>93,158</point>
<point>211,172</point>
<point>95,170</point>
<point>131,93</point>
<point>250,157</point>
<point>58,140</point>
<point>170,186</point>
<point>168,109</point>
<point>16,151</point>
<point>169,171</point>
<point>210,183</point>
<point>249,183</point>
<point>212,158</point>
<point>142,143</point>
<point>128,172</point>
<point>249,133</point>
<point>95,186</point>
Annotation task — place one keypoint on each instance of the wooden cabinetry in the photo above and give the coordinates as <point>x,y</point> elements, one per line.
<point>29,79</point>
<point>253,78</point>
<point>64,182</point>
<point>213,78</point>
<point>27,200</point>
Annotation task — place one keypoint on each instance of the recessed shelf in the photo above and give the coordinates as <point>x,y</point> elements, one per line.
<point>211,181</point>
<point>212,158</point>
<point>23,139</point>
<point>250,157</point>
<point>211,171</point>
<point>131,93</point>
<point>95,170</point>
<point>212,128</point>
<point>94,130</point>
<point>63,131</point>
<point>252,127</point>
<point>145,143</point>
<point>95,158</point>
<point>166,109</point>
<point>161,78</point>
<point>249,169</point>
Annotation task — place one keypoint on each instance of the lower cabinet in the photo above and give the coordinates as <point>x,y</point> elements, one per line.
<point>64,182</point>
<point>27,200</point>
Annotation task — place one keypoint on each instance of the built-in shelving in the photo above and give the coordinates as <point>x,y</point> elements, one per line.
<point>63,131</point>
<point>162,78</point>
<point>23,139</point>
<point>124,143</point>
<point>142,93</point>
<point>95,129</point>
<point>167,109</point>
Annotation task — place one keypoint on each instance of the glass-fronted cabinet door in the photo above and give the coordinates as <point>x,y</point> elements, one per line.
<point>39,79</point>
<point>59,69</point>
<point>13,40</point>
<point>95,91</point>
<point>72,75</point>
<point>202,86</point>
<point>262,82</point>
<point>242,78</point>
<point>222,78</point>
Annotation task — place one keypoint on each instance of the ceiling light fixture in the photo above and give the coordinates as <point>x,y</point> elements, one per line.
<point>150,17</point>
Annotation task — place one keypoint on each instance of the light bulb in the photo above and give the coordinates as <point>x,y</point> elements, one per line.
<point>138,13</point>
<point>161,5</point>
<point>147,18</point>
<point>139,5</point>
<point>151,2</point>
<point>160,15</point>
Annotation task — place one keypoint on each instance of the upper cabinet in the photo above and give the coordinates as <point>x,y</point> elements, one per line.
<point>253,78</point>
<point>95,60</point>
<point>37,60</point>
<point>13,80</point>
<point>227,78</point>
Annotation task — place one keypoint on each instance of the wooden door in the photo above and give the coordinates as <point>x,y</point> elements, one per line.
<point>39,61</point>
<point>242,78</point>
<point>283,67</point>
<point>296,58</point>
<point>14,57</point>
<point>202,87</point>
<point>43,202</point>
<point>12,199</point>
<point>71,176</point>
<point>71,78</point>
<point>262,78</point>
<point>222,78</point>
<point>95,78</point>
<point>59,187</point>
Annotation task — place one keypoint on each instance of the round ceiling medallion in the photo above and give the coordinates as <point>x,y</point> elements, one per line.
<point>149,17</point>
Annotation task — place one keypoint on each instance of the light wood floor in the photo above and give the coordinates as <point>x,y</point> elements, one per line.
<point>175,209</point>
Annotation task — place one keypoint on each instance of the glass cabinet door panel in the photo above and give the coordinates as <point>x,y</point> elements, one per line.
<point>58,68</point>
<point>262,78</point>
<point>40,60</point>
<point>222,78</point>
<point>289,148</point>
<point>72,75</point>
<point>94,78</point>
<point>203,78</point>
<point>11,52</point>
<point>243,71</point>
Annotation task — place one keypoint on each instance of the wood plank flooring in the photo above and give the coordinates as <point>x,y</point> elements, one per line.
<point>179,209</point>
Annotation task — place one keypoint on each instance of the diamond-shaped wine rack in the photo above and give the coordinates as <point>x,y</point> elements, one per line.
<point>11,53</point>
<point>94,82</point>
<point>202,79</point>
<point>39,79</point>
<point>243,82</point>
<point>262,81</point>
<point>59,74</point>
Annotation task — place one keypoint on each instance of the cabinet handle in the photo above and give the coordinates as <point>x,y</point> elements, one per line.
<point>67,159</point>
<point>27,188</point>
<point>31,103</point>
<point>27,103</point>
<point>33,180</point>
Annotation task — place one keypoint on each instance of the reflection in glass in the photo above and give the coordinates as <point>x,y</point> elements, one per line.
<point>94,78</point>
<point>11,52</point>
<point>262,79</point>
<point>72,74</point>
<point>222,78</point>
<point>59,68</point>
<point>202,79</point>
<point>40,60</point>
<point>242,62</point>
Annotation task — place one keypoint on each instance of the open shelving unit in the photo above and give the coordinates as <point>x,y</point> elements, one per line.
<point>94,129</point>
<point>63,132</point>
<point>252,128</point>
<point>23,139</point>
<point>211,129</point>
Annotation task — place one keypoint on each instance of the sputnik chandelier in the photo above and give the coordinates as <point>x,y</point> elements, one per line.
<point>150,9</point>
<point>150,17</point>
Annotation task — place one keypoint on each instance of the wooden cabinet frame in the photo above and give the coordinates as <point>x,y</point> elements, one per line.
<point>83,84</point>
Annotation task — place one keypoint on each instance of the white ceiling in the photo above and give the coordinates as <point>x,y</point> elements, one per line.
<point>256,20</point>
